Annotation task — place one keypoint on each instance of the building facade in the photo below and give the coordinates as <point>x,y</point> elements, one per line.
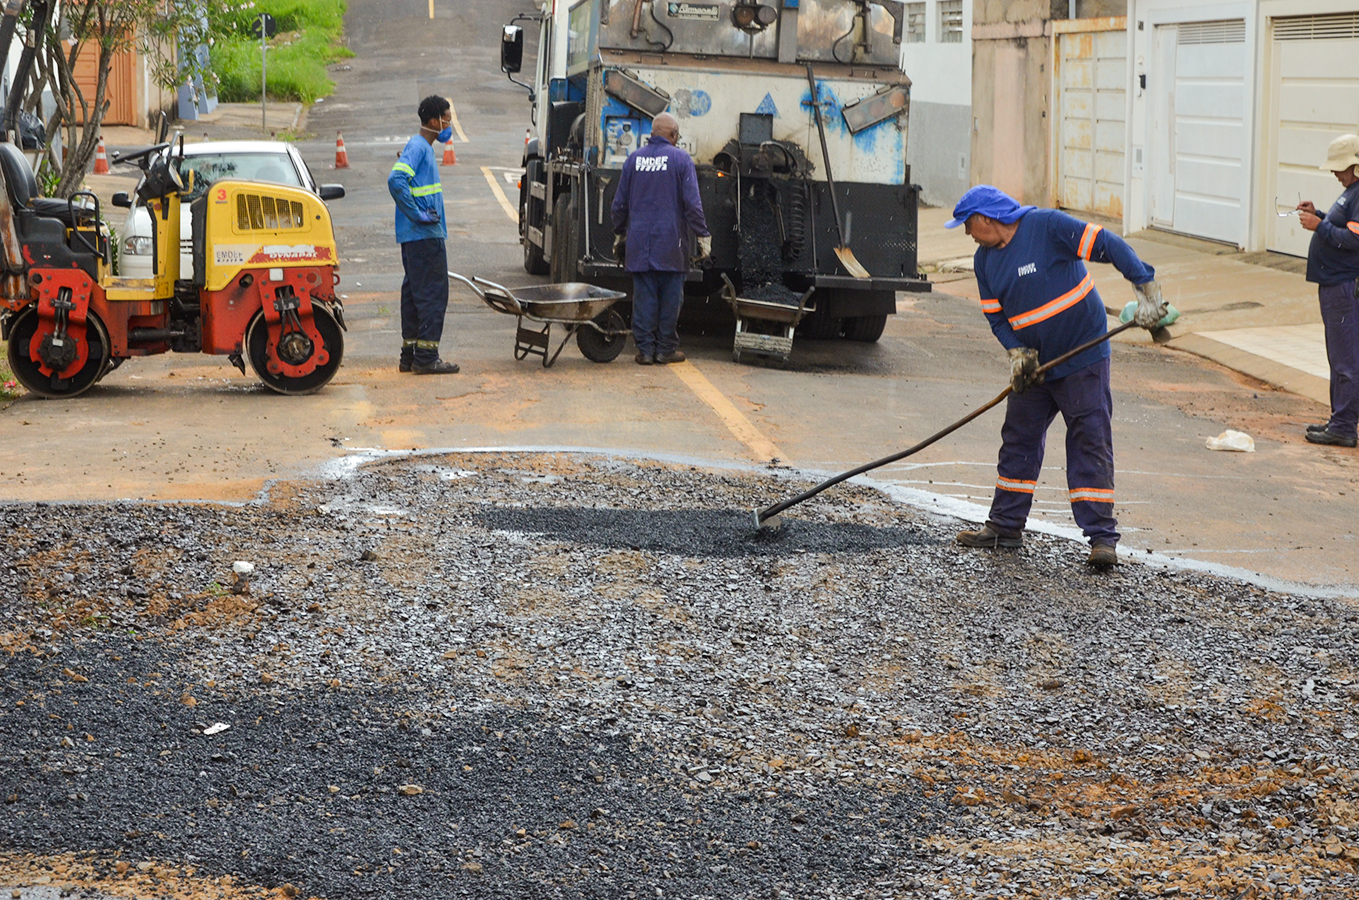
<point>936,53</point>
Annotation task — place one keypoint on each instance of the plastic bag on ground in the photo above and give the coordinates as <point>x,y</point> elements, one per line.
<point>1232,440</point>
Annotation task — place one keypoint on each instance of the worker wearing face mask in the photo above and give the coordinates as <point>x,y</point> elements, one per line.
<point>421,232</point>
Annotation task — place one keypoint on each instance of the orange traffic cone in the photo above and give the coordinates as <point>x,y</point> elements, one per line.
<point>341,154</point>
<point>101,158</point>
<point>526,138</point>
<point>450,155</point>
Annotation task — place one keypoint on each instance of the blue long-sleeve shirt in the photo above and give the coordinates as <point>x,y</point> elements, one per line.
<point>1333,257</point>
<point>414,185</point>
<point>657,205</point>
<point>1036,291</point>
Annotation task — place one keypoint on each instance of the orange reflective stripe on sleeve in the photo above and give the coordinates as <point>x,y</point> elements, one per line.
<point>1088,241</point>
<point>1092,495</point>
<point>990,306</point>
<point>1353,226</point>
<point>1016,485</point>
<point>1052,308</point>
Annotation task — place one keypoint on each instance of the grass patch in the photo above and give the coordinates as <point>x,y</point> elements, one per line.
<point>308,40</point>
<point>9,388</point>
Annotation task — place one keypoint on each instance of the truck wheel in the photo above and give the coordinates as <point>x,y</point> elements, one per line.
<point>565,245</point>
<point>599,347</point>
<point>819,326</point>
<point>534,263</point>
<point>865,328</point>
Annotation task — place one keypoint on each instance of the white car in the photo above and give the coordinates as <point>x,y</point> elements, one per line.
<point>275,162</point>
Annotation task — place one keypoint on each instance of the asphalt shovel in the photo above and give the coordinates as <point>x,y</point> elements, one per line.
<point>769,519</point>
<point>846,255</point>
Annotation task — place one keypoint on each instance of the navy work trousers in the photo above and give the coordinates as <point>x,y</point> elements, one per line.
<point>1086,405</point>
<point>424,299</point>
<point>656,301</point>
<point>1340,315</point>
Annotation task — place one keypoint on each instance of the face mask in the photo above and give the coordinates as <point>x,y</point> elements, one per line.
<point>445,135</point>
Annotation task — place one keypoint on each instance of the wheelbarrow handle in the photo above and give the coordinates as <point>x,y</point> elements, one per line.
<point>504,301</point>
<point>469,282</point>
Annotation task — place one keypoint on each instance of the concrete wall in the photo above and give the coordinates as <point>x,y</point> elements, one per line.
<point>940,151</point>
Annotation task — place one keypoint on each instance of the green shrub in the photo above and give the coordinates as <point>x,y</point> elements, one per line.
<point>307,41</point>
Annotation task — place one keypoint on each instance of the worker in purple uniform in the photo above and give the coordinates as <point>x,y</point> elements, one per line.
<point>1041,302</point>
<point>1333,265</point>
<point>654,209</point>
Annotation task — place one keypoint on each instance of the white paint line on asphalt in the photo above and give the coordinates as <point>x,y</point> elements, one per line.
<point>760,447</point>
<point>457,126</point>
<point>505,203</point>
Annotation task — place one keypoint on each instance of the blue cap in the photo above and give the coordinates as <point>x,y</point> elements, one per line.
<point>989,201</point>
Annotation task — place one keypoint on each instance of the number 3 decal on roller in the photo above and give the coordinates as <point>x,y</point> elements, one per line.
<point>221,195</point>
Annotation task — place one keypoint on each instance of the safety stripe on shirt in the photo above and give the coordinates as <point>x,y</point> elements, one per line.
<point>402,167</point>
<point>1353,226</point>
<point>990,306</point>
<point>1088,241</point>
<point>1053,307</point>
<point>1092,495</point>
<point>1017,485</point>
<point>426,189</point>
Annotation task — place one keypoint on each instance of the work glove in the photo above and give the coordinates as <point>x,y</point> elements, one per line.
<point>1024,372</point>
<point>620,248</point>
<point>1151,309</point>
<point>705,248</point>
<point>428,217</point>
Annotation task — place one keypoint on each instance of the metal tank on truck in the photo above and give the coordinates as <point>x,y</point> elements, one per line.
<point>742,78</point>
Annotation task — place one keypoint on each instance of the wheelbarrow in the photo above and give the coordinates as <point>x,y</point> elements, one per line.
<point>583,310</point>
<point>764,328</point>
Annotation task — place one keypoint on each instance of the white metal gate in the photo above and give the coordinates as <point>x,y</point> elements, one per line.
<point>1196,171</point>
<point>1313,98</point>
<point>1092,112</point>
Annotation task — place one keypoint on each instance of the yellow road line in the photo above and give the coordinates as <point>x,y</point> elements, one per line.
<point>761,448</point>
<point>457,126</point>
<point>431,9</point>
<point>505,203</point>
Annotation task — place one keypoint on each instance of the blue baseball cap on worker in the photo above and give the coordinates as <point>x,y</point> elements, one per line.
<point>990,201</point>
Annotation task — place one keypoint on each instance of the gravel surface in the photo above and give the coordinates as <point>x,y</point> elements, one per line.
<point>559,676</point>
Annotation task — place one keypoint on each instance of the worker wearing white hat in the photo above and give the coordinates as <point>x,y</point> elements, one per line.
<point>1333,264</point>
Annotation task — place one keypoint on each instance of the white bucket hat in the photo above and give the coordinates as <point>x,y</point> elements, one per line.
<point>1343,153</point>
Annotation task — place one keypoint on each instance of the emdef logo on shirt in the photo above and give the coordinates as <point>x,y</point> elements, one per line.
<point>1030,269</point>
<point>653,164</point>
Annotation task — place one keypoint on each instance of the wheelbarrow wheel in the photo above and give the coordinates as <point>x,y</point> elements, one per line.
<point>599,347</point>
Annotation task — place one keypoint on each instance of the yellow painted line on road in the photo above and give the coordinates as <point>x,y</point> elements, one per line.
<point>761,448</point>
<point>431,9</point>
<point>505,203</point>
<point>457,126</point>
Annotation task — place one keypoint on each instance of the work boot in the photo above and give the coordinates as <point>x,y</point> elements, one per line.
<point>644,359</point>
<point>404,365</point>
<point>674,356</point>
<point>1102,556</point>
<point>1317,426</point>
<point>988,537</point>
<point>438,367</point>
<point>1326,436</point>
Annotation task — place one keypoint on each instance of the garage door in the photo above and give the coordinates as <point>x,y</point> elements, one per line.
<point>1092,100</point>
<point>1314,96</point>
<point>1196,172</point>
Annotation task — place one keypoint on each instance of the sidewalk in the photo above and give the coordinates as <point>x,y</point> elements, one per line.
<point>1253,313</point>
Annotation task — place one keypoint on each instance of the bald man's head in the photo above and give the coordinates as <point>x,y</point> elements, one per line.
<point>667,126</point>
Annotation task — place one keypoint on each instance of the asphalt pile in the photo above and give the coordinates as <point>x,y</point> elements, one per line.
<point>557,676</point>
<point>761,252</point>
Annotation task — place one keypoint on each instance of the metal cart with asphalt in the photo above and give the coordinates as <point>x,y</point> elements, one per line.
<point>763,328</point>
<point>583,310</point>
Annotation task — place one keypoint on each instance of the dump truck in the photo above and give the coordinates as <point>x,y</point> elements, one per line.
<point>778,101</point>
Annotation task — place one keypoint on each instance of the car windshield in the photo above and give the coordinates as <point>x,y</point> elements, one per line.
<point>275,168</point>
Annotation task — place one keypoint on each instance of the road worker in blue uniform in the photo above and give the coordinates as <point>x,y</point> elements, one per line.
<point>654,209</point>
<point>1041,302</point>
<point>421,232</point>
<point>1333,265</point>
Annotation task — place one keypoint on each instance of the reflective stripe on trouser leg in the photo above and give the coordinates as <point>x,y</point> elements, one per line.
<point>1340,316</point>
<point>426,265</point>
<point>1023,439</point>
<point>1087,408</point>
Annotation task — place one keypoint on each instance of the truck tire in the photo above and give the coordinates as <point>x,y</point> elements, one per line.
<point>534,263</point>
<point>819,326</point>
<point>865,328</point>
<point>565,245</point>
